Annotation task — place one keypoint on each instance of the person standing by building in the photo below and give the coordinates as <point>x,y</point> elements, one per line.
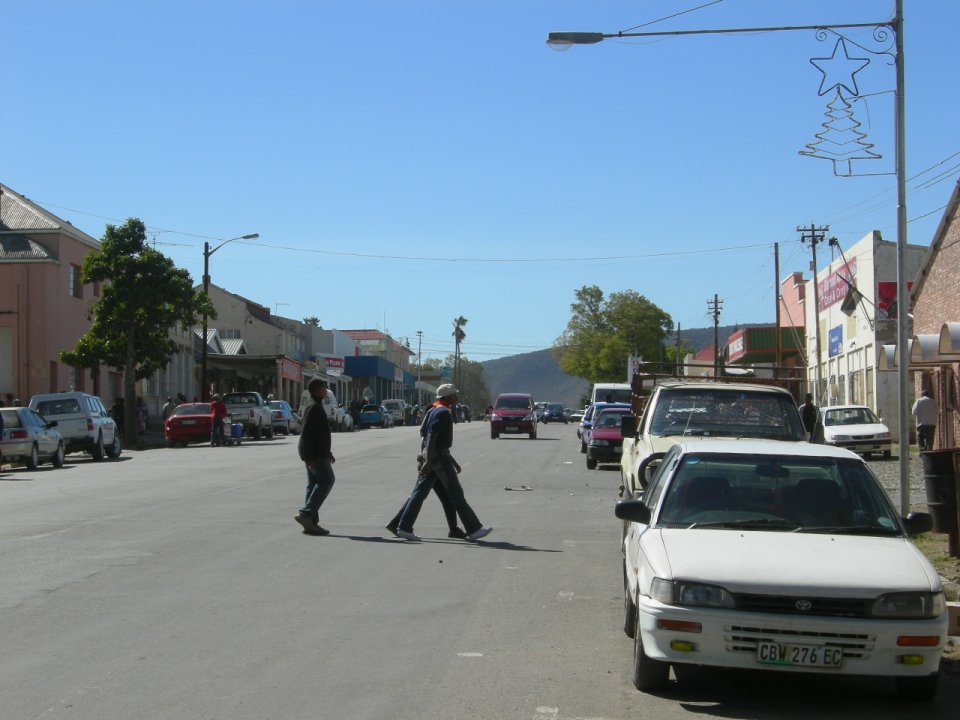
<point>925,412</point>
<point>314,449</point>
<point>168,407</point>
<point>440,467</point>
<point>810,414</point>
<point>219,411</point>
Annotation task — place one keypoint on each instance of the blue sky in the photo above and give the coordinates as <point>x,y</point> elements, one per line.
<point>406,163</point>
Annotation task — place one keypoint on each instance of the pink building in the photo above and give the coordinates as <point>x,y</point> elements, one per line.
<point>44,308</point>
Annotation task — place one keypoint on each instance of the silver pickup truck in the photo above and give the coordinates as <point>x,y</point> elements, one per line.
<point>252,411</point>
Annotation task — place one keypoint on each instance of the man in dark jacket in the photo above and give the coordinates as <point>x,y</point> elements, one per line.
<point>810,414</point>
<point>314,449</point>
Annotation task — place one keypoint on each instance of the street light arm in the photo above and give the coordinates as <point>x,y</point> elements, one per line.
<point>563,40</point>
<point>251,236</point>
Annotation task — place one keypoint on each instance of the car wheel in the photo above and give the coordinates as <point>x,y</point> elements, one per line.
<point>533,435</point>
<point>58,456</point>
<point>270,433</point>
<point>33,462</point>
<point>629,610</point>
<point>886,454</point>
<point>648,674</point>
<point>255,432</point>
<point>494,435</point>
<point>117,447</point>
<point>591,462</point>
<point>583,446</point>
<point>287,430</point>
<point>918,689</point>
<point>98,450</point>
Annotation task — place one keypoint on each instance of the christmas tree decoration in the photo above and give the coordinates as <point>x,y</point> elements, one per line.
<point>841,140</point>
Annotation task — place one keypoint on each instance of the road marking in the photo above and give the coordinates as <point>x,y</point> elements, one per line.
<point>470,654</point>
<point>551,711</point>
<point>565,595</point>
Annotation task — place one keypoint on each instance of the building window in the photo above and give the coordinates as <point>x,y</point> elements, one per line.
<point>96,288</point>
<point>76,287</point>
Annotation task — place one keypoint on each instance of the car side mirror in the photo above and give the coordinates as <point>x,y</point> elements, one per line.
<point>632,511</point>
<point>52,424</point>
<point>917,523</point>
<point>628,425</point>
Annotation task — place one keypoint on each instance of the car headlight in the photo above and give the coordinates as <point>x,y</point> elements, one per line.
<point>494,416</point>
<point>690,594</point>
<point>528,417</point>
<point>910,605</point>
<point>599,443</point>
<point>883,436</point>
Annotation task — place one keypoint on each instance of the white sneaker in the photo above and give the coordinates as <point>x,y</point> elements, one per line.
<point>477,534</point>
<point>408,536</point>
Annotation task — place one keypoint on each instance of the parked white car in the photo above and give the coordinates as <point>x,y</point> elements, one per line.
<point>396,409</point>
<point>856,428</point>
<point>82,421</point>
<point>780,556</point>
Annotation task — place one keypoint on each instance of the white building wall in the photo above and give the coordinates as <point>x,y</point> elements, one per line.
<point>850,376</point>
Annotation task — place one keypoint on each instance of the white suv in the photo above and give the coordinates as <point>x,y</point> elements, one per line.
<point>396,408</point>
<point>83,421</point>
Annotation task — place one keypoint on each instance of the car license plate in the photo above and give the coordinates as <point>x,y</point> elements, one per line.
<point>511,429</point>
<point>771,653</point>
<point>189,422</point>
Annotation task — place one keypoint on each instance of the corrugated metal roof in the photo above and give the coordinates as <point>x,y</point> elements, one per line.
<point>233,346</point>
<point>20,248</point>
<point>19,213</point>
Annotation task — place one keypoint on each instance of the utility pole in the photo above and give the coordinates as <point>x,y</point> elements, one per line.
<point>714,306</point>
<point>677,352</point>
<point>419,365</point>
<point>816,235</point>
<point>776,293</point>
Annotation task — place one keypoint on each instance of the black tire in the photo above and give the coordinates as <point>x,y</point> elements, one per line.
<point>33,462</point>
<point>629,610</point>
<point>533,435</point>
<point>591,462</point>
<point>583,446</point>
<point>98,451</point>
<point>494,435</point>
<point>918,689</point>
<point>269,432</point>
<point>255,432</point>
<point>116,449</point>
<point>648,675</point>
<point>57,459</point>
<point>886,454</point>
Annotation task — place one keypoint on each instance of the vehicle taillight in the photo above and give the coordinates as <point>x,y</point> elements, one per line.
<point>18,434</point>
<point>89,424</point>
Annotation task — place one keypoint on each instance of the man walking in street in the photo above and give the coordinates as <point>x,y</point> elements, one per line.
<point>925,412</point>
<point>219,411</point>
<point>314,449</point>
<point>440,467</point>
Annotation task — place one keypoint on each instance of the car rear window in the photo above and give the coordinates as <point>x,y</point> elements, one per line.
<point>513,403</point>
<point>370,408</point>
<point>239,399</point>
<point>193,409</point>
<point>65,406</point>
<point>10,419</point>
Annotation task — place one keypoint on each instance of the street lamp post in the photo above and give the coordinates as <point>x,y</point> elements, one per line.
<point>207,252</point>
<point>564,40</point>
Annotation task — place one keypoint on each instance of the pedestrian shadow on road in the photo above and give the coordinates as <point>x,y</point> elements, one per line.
<point>501,545</point>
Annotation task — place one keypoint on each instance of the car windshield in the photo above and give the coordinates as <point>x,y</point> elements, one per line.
<point>277,404</point>
<point>193,409</point>
<point>609,419</point>
<point>370,408</point>
<point>239,399</point>
<point>731,413</point>
<point>803,494</point>
<point>850,416</point>
<point>513,403</point>
<point>613,395</point>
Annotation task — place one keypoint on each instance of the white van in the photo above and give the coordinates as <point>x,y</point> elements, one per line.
<point>611,392</point>
<point>339,419</point>
<point>395,408</point>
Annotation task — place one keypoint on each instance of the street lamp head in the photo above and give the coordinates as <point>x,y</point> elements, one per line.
<point>251,236</point>
<point>561,41</point>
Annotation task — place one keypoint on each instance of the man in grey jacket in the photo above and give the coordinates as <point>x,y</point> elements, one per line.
<point>314,449</point>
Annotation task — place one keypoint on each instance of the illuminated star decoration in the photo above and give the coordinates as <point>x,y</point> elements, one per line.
<point>838,72</point>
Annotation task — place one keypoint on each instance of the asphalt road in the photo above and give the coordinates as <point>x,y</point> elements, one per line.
<point>175,584</point>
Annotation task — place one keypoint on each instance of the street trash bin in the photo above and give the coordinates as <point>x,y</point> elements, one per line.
<point>940,482</point>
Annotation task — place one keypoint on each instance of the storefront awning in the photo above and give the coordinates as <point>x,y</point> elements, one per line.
<point>925,351</point>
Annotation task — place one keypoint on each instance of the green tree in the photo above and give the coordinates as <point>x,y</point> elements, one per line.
<point>603,332</point>
<point>143,296</point>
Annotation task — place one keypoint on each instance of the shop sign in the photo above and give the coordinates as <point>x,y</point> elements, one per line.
<point>290,370</point>
<point>835,342</point>
<point>833,289</point>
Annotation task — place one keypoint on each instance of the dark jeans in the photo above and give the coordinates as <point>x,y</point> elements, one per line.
<point>216,431</point>
<point>925,435</point>
<point>442,473</point>
<point>319,483</point>
<point>449,511</point>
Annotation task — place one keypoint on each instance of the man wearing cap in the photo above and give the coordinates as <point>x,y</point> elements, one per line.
<point>314,449</point>
<point>440,467</point>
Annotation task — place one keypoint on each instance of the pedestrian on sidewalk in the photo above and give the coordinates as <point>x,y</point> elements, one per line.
<point>314,449</point>
<point>440,467</point>
<point>810,414</point>
<point>925,412</point>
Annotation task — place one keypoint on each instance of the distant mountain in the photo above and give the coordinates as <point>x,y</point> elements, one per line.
<point>539,374</point>
<point>536,373</point>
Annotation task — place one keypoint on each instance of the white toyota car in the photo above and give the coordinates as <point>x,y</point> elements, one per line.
<point>789,557</point>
